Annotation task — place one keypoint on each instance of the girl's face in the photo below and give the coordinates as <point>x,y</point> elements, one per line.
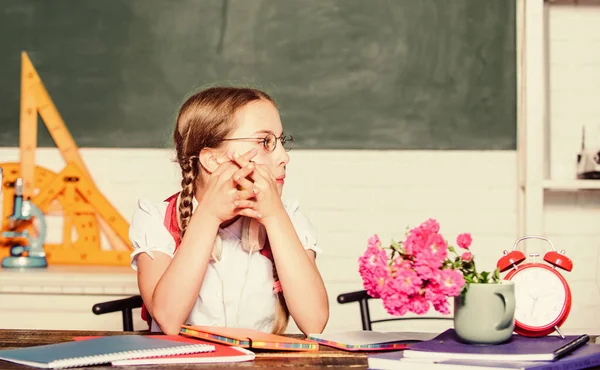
<point>254,123</point>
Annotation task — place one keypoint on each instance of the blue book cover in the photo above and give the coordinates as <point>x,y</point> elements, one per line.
<point>585,357</point>
<point>98,351</point>
<point>518,348</point>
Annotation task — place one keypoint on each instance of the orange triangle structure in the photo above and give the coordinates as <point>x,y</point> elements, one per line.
<point>70,193</point>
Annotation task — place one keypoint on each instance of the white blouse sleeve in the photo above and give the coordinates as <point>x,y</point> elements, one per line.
<point>307,233</point>
<point>147,232</point>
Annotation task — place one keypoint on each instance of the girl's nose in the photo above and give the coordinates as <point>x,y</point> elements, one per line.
<point>281,156</point>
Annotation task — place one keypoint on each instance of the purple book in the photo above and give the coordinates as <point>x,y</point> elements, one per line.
<point>518,348</point>
<point>585,357</point>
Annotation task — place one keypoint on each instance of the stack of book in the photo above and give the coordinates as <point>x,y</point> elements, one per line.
<point>446,351</point>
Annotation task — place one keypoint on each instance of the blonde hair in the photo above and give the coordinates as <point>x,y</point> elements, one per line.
<point>204,120</point>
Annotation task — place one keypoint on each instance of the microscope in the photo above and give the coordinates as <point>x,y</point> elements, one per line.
<point>30,254</point>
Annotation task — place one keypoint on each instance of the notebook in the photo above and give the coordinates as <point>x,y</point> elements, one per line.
<point>221,354</point>
<point>518,348</point>
<point>248,338</point>
<point>585,357</point>
<point>366,340</point>
<point>98,351</point>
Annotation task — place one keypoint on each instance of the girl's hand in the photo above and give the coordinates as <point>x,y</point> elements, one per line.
<point>266,202</point>
<point>220,192</point>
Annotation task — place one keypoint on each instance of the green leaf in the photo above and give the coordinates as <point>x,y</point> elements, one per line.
<point>496,276</point>
<point>464,290</point>
<point>484,276</point>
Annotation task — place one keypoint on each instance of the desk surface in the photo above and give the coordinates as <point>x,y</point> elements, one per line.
<point>325,358</point>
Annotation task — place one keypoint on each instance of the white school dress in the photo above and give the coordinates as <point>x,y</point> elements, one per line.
<point>237,291</point>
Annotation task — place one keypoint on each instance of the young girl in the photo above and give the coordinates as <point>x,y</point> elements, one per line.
<point>225,250</point>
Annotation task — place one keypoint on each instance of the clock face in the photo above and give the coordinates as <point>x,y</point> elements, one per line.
<point>540,296</point>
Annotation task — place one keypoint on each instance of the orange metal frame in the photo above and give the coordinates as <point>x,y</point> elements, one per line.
<point>70,193</point>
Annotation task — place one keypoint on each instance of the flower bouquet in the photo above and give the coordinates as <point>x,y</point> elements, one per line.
<point>419,272</point>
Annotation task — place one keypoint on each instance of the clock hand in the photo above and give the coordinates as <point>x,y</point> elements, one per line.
<point>533,306</point>
<point>547,294</point>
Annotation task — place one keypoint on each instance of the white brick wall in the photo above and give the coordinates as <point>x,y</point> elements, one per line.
<point>351,195</point>
<point>571,219</point>
<point>574,84</point>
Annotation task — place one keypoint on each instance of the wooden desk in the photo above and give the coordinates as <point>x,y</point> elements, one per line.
<point>325,358</point>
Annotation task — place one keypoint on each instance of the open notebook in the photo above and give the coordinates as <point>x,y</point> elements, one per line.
<point>365,340</point>
<point>248,338</point>
<point>98,351</point>
<point>221,354</point>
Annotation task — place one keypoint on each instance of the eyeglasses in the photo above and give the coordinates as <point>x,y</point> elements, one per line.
<point>270,141</point>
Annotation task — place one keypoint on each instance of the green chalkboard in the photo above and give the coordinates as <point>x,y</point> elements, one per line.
<point>347,74</point>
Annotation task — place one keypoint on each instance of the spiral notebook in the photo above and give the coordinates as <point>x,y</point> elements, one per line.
<point>221,354</point>
<point>98,351</point>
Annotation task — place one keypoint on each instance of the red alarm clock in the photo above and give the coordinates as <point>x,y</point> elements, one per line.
<point>542,295</point>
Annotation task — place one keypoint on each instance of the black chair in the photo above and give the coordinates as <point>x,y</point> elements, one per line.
<point>363,298</point>
<point>125,305</point>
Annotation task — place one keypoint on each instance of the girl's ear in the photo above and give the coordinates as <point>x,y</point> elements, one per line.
<point>209,159</point>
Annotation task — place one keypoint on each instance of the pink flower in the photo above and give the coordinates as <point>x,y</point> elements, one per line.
<point>394,302</point>
<point>415,241</point>
<point>374,258</point>
<point>373,267</point>
<point>464,240</point>
<point>451,282</point>
<point>418,304</point>
<point>442,306</point>
<point>425,271</point>
<point>434,253</point>
<point>438,299</point>
<point>419,274</point>
<point>373,283</point>
<point>431,226</point>
<point>374,242</point>
<point>406,281</point>
<point>401,263</point>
